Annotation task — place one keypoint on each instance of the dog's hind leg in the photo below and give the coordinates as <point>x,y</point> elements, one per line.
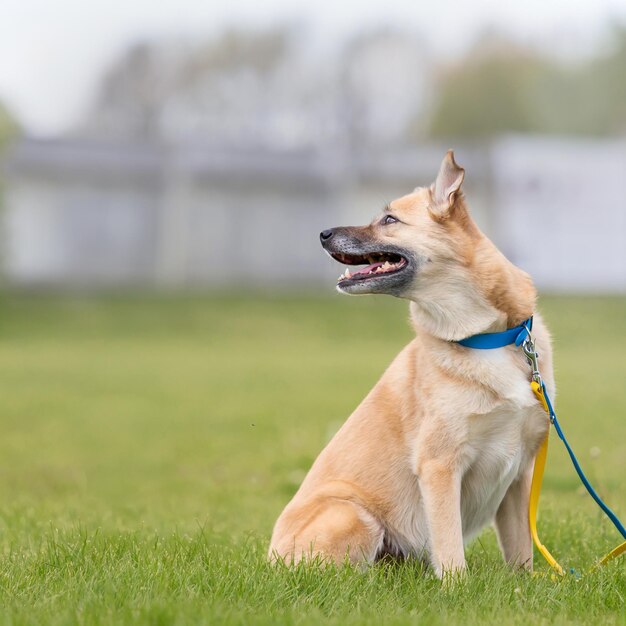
<point>328,528</point>
<point>512,524</point>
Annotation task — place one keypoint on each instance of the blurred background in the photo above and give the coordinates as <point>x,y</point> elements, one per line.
<point>203,145</point>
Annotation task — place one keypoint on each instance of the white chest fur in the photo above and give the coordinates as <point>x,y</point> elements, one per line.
<point>496,453</point>
<point>494,441</point>
<point>500,444</point>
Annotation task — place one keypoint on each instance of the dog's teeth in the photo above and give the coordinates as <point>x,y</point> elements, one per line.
<point>386,265</point>
<point>346,274</point>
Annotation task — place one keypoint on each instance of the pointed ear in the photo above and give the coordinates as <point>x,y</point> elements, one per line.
<point>446,187</point>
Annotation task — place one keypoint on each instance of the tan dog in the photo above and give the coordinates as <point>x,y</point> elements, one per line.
<point>445,442</point>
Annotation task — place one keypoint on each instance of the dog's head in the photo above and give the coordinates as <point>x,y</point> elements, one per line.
<point>423,235</point>
<point>425,247</point>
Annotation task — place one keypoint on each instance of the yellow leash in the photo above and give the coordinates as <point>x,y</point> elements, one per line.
<point>535,491</point>
<point>521,337</point>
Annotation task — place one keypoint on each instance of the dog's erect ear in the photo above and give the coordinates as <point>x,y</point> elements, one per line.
<point>447,185</point>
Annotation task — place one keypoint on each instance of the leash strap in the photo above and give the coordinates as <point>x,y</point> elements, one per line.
<point>539,389</point>
<point>535,489</point>
<point>578,468</point>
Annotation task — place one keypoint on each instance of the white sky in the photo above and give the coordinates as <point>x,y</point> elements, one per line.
<point>52,52</point>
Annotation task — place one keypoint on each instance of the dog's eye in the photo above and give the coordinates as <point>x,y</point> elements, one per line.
<point>388,219</point>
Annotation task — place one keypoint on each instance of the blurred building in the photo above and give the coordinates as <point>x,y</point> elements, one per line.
<point>559,210</point>
<point>85,213</point>
<point>94,213</point>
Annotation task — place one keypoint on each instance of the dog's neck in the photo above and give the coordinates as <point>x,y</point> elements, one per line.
<point>490,294</point>
<point>460,313</point>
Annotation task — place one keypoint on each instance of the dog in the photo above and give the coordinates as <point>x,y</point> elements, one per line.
<point>445,442</point>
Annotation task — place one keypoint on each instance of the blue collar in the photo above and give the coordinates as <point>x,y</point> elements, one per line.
<point>488,341</point>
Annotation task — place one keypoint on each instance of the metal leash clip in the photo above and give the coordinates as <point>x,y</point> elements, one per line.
<point>528,346</point>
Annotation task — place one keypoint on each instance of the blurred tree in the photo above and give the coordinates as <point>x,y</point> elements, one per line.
<point>500,88</point>
<point>610,73</point>
<point>9,127</point>
<point>9,130</point>
<point>487,93</point>
<point>259,89</point>
<point>241,87</point>
<point>264,89</point>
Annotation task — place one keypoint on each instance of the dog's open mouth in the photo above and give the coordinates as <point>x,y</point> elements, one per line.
<point>377,265</point>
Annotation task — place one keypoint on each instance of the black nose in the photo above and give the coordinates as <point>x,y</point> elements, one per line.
<point>325,235</point>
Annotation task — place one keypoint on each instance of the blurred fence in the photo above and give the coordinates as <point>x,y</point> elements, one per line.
<point>88,214</point>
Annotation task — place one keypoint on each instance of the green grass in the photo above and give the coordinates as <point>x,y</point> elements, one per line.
<point>148,444</point>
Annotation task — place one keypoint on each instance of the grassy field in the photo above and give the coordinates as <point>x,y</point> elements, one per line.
<point>148,445</point>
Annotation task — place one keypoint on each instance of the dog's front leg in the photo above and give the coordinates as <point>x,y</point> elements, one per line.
<point>440,486</point>
<point>512,524</point>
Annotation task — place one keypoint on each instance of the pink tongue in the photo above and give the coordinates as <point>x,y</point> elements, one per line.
<point>369,268</point>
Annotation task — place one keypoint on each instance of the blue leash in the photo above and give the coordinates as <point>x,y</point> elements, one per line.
<point>592,492</point>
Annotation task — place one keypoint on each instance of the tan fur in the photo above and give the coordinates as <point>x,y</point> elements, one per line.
<point>445,441</point>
